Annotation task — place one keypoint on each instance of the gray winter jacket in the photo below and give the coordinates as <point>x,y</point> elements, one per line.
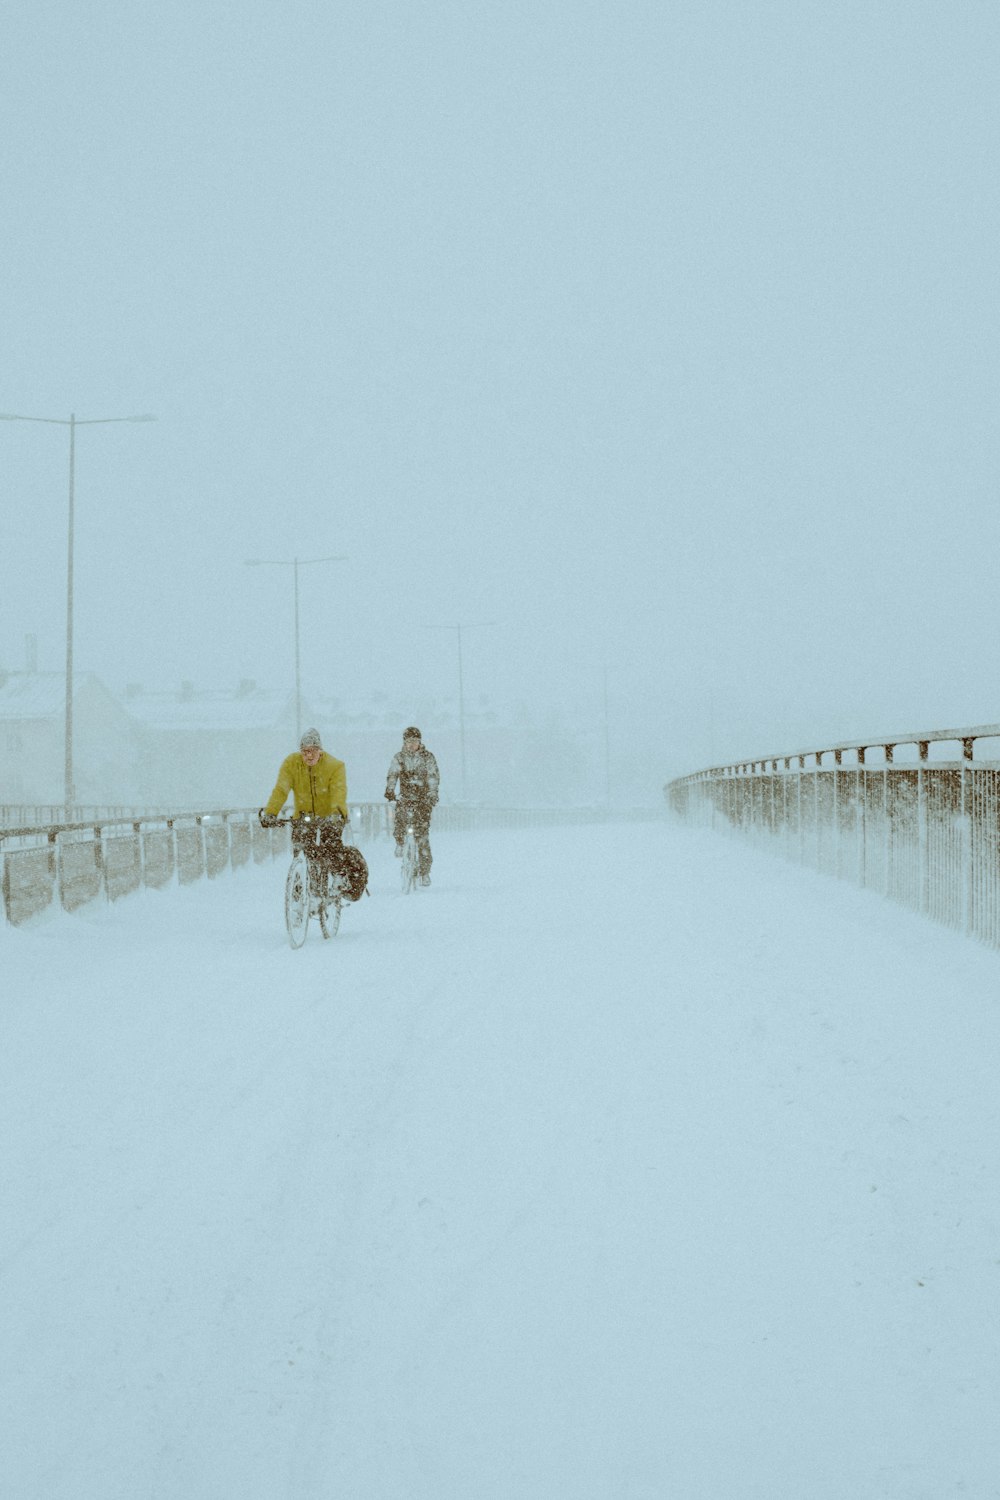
<point>417,775</point>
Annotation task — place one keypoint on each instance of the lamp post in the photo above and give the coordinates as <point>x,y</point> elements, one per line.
<point>479,625</point>
<point>72,422</point>
<point>295,563</point>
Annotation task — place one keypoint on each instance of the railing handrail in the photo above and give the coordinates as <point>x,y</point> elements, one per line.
<point>88,825</point>
<point>137,822</point>
<point>921,738</point>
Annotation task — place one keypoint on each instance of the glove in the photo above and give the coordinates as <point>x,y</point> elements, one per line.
<point>390,796</point>
<point>267,820</point>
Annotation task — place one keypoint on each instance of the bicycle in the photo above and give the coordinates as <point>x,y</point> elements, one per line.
<point>310,891</point>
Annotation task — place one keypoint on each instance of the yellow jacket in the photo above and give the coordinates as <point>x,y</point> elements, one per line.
<point>319,790</point>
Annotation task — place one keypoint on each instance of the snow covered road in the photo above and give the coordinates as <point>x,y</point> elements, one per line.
<point>679,1181</point>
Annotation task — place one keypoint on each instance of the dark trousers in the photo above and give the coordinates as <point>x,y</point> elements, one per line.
<point>418,815</point>
<point>323,846</point>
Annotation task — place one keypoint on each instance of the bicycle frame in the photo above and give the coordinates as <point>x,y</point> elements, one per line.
<point>308,890</point>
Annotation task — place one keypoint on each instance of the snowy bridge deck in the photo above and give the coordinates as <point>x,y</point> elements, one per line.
<point>685,1185</point>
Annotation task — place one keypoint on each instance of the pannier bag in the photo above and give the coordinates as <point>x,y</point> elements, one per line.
<point>355,870</point>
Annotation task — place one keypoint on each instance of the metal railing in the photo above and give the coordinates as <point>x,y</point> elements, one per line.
<point>112,855</point>
<point>921,830</point>
<point>44,815</point>
<point>73,863</point>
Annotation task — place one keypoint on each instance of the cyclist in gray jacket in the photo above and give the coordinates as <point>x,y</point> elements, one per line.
<point>416,771</point>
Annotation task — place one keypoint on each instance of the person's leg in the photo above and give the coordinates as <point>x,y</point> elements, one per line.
<point>421,827</point>
<point>401,817</point>
<point>331,850</point>
<point>304,842</point>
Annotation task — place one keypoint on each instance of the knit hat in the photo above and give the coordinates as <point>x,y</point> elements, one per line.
<point>311,740</point>
<point>411,733</point>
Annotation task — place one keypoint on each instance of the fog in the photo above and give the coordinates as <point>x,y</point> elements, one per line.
<point>654,344</point>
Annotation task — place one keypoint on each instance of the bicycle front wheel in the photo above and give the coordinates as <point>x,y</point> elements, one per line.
<point>297,901</point>
<point>409,862</point>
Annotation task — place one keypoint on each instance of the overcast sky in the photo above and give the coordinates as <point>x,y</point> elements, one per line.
<point>662,336</point>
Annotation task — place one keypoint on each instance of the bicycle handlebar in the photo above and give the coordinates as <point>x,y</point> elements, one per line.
<point>306,818</point>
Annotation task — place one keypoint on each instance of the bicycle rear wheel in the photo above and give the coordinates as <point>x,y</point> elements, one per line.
<point>329,917</point>
<point>297,901</point>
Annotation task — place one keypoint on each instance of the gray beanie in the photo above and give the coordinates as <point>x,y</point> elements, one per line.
<point>311,740</point>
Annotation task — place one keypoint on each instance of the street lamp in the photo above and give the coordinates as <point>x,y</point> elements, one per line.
<point>295,563</point>
<point>72,422</point>
<point>479,625</point>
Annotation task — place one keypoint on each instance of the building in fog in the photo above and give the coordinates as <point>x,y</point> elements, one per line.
<point>33,741</point>
<point>212,748</point>
<point>203,749</point>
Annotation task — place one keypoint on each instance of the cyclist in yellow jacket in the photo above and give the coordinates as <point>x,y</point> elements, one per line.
<point>318,783</point>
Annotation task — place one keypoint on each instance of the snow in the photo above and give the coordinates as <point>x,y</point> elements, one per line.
<point>621,1163</point>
